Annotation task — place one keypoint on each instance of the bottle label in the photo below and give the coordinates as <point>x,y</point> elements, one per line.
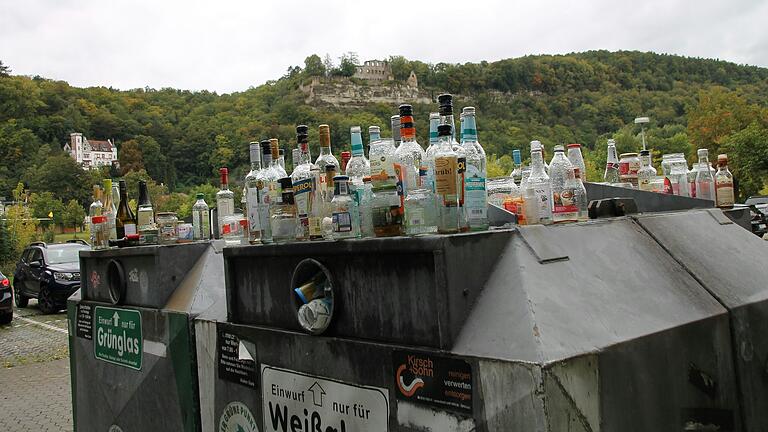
<point>382,169</point>
<point>725,196</point>
<point>129,228</point>
<point>254,209</point>
<point>446,179</point>
<point>704,191</point>
<point>302,191</point>
<point>275,192</point>
<point>342,222</point>
<point>226,207</point>
<point>543,205</point>
<point>414,217</point>
<point>644,180</point>
<point>564,205</point>
<point>315,227</point>
<point>668,186</point>
<point>461,172</point>
<point>476,196</point>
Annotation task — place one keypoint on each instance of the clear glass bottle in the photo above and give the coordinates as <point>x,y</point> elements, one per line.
<point>475,196</point>
<point>254,188</point>
<point>281,158</point>
<point>382,159</point>
<point>326,155</point>
<point>429,153</point>
<point>447,185</point>
<point>504,193</point>
<point>365,201</point>
<point>374,134</point>
<point>611,164</point>
<point>678,175</point>
<point>705,182</point>
<point>225,199</point>
<point>647,172</point>
<point>561,179</point>
<point>409,155</point>
<point>577,159</point>
<point>541,189</point>
<point>303,179</point>
<point>201,219</point>
<point>581,198</point>
<point>109,209</point>
<point>725,197</point>
<point>358,166</point>
<point>282,213</point>
<point>517,172</point>
<point>395,123</point>
<point>420,208</point>
<point>145,213</point>
<point>345,215</point>
<point>445,102</point>
<point>96,208</point>
<point>277,166</point>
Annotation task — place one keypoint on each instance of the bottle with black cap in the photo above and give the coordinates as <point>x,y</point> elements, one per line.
<point>445,102</point>
<point>409,156</point>
<point>447,186</point>
<point>303,179</point>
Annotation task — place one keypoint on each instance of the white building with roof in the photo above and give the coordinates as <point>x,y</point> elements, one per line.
<point>91,154</point>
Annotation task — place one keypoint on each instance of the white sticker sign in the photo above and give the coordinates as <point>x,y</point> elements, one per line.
<point>298,402</point>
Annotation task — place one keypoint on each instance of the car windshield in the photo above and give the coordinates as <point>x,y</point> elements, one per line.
<point>64,255</point>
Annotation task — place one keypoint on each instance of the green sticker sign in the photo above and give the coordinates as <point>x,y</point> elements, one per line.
<point>117,336</point>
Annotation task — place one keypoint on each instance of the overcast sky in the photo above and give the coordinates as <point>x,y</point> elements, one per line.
<point>229,46</point>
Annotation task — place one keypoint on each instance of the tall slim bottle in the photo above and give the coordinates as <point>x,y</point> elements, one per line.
<point>145,213</point>
<point>705,182</point>
<point>445,102</point>
<point>225,199</point>
<point>446,182</point>
<point>326,156</point>
<point>303,179</point>
<point>358,166</point>
<point>110,209</point>
<point>96,208</point>
<point>434,122</point>
<point>517,172</point>
<point>611,164</point>
<point>201,222</point>
<point>538,182</point>
<point>125,222</point>
<point>409,155</point>
<point>254,187</point>
<point>475,196</point>
<point>395,122</point>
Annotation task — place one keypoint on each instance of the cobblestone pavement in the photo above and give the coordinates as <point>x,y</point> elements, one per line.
<point>34,372</point>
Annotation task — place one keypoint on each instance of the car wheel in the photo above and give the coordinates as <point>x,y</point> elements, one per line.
<point>6,318</point>
<point>21,300</point>
<point>46,303</point>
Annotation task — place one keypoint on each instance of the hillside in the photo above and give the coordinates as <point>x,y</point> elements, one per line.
<point>180,137</point>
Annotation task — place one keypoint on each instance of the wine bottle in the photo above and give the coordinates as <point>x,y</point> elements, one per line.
<point>125,222</point>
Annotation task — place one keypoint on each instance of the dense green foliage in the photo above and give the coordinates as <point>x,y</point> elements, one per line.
<point>179,138</point>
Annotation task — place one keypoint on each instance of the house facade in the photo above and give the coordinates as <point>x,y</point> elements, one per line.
<point>91,154</point>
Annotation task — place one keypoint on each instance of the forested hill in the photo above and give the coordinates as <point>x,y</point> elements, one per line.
<point>181,137</point>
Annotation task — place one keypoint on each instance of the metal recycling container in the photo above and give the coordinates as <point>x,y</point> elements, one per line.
<point>131,339</point>
<point>594,326</point>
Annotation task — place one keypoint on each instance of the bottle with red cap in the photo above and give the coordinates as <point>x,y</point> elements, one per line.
<point>225,198</point>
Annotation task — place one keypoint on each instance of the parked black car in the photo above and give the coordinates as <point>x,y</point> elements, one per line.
<point>6,300</point>
<point>48,272</point>
<point>759,209</point>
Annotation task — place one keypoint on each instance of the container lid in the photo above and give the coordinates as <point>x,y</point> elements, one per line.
<point>574,145</point>
<point>628,155</point>
<point>166,214</point>
<point>200,196</point>
<point>645,152</point>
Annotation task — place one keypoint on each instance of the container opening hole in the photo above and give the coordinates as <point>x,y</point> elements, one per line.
<point>313,297</point>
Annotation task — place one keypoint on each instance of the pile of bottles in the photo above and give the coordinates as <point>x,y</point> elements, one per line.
<point>700,181</point>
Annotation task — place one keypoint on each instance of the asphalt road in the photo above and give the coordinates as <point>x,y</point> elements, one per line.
<point>34,372</point>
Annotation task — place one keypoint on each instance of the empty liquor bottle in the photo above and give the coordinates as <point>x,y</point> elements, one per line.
<point>125,222</point>
<point>254,190</point>
<point>374,134</point>
<point>560,171</point>
<point>365,201</point>
<point>539,185</point>
<point>277,172</point>
<point>358,166</point>
<point>475,195</point>
<point>382,159</point>
<point>577,159</point>
<point>580,197</point>
<point>201,219</point>
<point>724,183</point>
<point>326,155</point>
<point>461,128</point>
<point>409,155</point>
<point>445,102</point>
<point>345,216</point>
<point>395,123</point>
<point>420,208</point>
<point>109,209</point>
<point>429,153</point>
<point>96,208</point>
<point>225,199</point>
<point>611,164</point>
<point>295,156</point>
<point>705,181</point>
<point>447,184</point>
<point>517,172</point>
<point>647,172</point>
<point>303,179</point>
<point>279,169</point>
<point>282,213</point>
<point>281,159</point>
<point>145,213</point>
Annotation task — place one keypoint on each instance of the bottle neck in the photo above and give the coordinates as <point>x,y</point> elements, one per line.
<point>704,161</point>
<point>469,131</point>
<point>407,129</point>
<point>646,160</point>
<point>447,119</point>
<point>433,124</point>
<point>255,165</point>
<point>612,158</point>
<point>266,160</point>
<point>357,144</point>
<point>143,196</point>
<point>304,149</point>
<point>374,136</point>
<point>537,163</point>
<point>445,142</point>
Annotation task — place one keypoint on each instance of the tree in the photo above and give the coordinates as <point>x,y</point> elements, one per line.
<point>131,158</point>
<point>718,113</point>
<point>313,66</point>
<point>44,203</point>
<point>401,67</point>
<point>348,64</point>
<point>748,158</point>
<point>61,175</point>
<point>328,63</point>
<point>74,214</point>
<point>21,226</point>
<point>4,70</point>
